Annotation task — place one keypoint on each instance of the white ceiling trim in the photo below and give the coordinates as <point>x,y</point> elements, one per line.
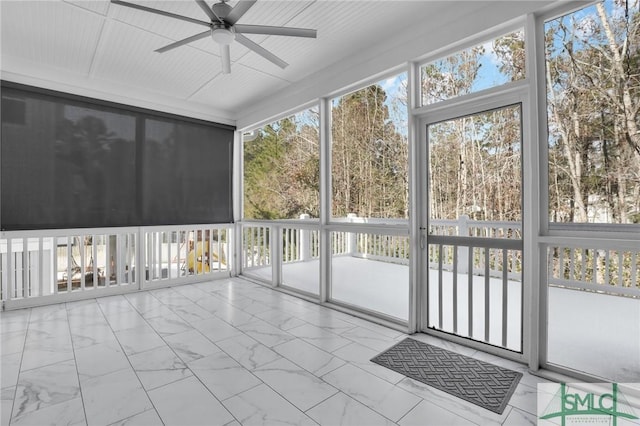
<point>63,81</point>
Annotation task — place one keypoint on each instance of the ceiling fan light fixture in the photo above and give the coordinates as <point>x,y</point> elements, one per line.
<point>223,36</point>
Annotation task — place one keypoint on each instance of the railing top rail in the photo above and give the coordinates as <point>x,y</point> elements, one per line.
<point>591,243</point>
<point>49,233</point>
<point>197,226</point>
<point>289,223</point>
<point>401,230</point>
<point>388,221</point>
<point>454,240</point>
<point>476,223</point>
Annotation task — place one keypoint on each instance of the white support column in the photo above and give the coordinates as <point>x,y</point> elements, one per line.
<point>463,251</point>
<point>304,243</point>
<point>275,241</point>
<point>235,239</point>
<point>352,237</point>
<point>325,199</point>
<point>140,259</point>
<point>417,278</point>
<point>535,206</point>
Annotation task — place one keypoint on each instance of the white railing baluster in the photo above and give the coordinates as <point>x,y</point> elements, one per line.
<point>107,266</point>
<point>70,240</point>
<point>455,290</point>
<point>470,289</point>
<point>505,287</point>
<point>170,255</point>
<point>265,246</point>
<point>10,270</point>
<point>128,251</point>
<point>55,265</point>
<point>595,267</point>
<point>119,264</point>
<point>606,267</point>
<point>25,268</point>
<point>486,293</point>
<point>94,256</point>
<point>150,249</point>
<point>620,264</point>
<point>440,286</point>
<point>252,246</point>
<point>203,267</point>
<point>583,264</point>
<point>162,237</point>
<point>571,269</point>
<point>83,252</point>
<point>41,266</point>
<point>634,271</point>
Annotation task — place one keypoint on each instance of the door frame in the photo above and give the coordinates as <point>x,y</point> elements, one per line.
<point>496,98</point>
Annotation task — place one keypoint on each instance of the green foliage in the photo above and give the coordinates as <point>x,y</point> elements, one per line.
<point>281,170</point>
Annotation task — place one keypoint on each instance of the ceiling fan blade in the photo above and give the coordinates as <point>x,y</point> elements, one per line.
<point>239,10</point>
<point>260,51</point>
<point>206,9</point>
<point>280,31</point>
<point>179,43</point>
<point>160,12</point>
<point>225,55</point>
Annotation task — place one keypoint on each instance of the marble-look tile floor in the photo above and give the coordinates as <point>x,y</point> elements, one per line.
<point>224,352</point>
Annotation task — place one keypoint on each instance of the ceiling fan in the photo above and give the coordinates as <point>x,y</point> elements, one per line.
<point>224,29</point>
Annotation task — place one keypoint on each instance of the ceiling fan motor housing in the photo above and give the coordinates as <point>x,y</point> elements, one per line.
<point>221,10</point>
<point>221,32</point>
<point>222,35</point>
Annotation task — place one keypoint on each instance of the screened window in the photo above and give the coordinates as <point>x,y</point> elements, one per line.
<point>282,169</point>
<point>369,152</point>
<point>484,66</point>
<point>593,107</point>
<point>475,167</point>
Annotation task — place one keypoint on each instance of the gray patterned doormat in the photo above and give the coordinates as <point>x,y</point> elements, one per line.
<point>478,382</point>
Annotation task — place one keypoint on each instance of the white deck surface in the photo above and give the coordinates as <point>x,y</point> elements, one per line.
<point>594,333</point>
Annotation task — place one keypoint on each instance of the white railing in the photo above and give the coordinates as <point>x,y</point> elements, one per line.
<point>466,227</point>
<point>51,262</point>
<point>595,268</point>
<point>256,245</point>
<point>301,242</point>
<point>75,263</point>
<point>182,252</point>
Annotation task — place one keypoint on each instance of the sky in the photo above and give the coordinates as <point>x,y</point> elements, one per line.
<point>489,74</point>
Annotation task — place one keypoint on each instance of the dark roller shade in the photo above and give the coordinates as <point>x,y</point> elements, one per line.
<point>187,176</point>
<point>72,162</point>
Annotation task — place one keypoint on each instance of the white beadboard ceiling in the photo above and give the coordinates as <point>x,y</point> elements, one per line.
<point>99,49</point>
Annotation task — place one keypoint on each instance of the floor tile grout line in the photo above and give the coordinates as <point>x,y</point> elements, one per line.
<point>340,391</point>
<point>317,347</point>
<point>178,356</point>
<point>365,371</point>
<point>252,371</point>
<point>129,361</point>
<point>166,303</point>
<point>24,344</point>
<point>75,361</point>
<point>411,409</point>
